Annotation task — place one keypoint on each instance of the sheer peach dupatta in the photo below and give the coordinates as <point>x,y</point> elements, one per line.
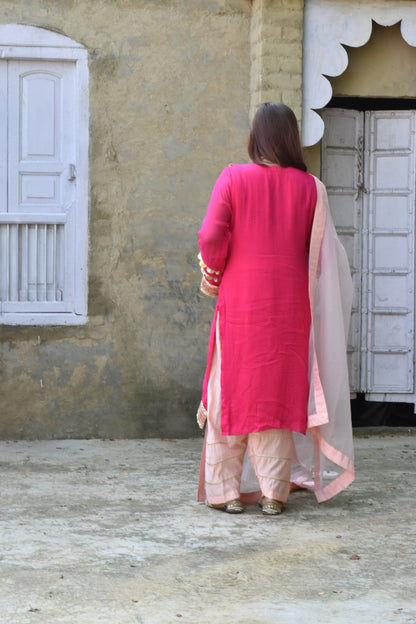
<point>325,456</point>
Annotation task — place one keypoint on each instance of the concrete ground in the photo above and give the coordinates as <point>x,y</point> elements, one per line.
<point>109,532</point>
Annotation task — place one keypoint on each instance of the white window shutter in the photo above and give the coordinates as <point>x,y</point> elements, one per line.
<point>44,216</point>
<point>32,267</point>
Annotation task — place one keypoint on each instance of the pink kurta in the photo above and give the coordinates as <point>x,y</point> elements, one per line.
<point>256,232</point>
<point>325,455</point>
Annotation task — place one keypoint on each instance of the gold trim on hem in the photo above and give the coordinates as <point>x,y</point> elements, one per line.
<point>274,432</point>
<point>222,480</point>
<point>208,289</point>
<point>201,416</point>
<point>272,478</point>
<point>271,457</point>
<point>224,460</point>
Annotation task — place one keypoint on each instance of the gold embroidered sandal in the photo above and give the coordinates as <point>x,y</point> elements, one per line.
<point>270,507</point>
<point>232,507</point>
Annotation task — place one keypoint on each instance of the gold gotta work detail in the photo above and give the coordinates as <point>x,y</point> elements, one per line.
<point>201,416</point>
<point>211,279</point>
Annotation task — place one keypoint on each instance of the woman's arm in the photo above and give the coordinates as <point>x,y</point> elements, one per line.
<point>214,235</point>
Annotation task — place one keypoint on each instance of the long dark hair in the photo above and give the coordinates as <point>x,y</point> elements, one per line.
<point>274,137</point>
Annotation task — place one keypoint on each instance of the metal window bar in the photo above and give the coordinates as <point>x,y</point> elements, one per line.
<point>31,262</point>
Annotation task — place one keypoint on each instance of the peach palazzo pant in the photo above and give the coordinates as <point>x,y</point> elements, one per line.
<point>270,452</point>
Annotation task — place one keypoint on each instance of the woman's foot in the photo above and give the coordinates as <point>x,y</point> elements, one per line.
<point>232,507</point>
<point>270,506</point>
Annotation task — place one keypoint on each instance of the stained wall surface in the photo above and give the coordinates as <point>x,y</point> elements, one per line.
<point>173,84</point>
<point>384,67</point>
<point>169,106</point>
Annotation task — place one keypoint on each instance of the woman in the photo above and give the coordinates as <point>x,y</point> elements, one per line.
<point>276,382</point>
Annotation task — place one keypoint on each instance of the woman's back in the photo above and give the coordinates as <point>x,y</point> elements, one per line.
<point>272,207</point>
<point>272,212</point>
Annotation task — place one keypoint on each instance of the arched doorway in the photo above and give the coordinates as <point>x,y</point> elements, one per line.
<point>368,164</point>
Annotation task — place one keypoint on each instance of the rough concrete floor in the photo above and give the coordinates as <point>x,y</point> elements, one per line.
<point>109,532</point>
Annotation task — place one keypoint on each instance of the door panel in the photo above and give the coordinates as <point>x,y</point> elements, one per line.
<point>391,130</point>
<point>41,136</point>
<point>41,124</point>
<point>384,218</point>
<point>391,172</point>
<point>342,173</point>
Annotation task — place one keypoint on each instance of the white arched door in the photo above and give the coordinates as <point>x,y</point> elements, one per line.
<point>40,191</point>
<point>368,165</point>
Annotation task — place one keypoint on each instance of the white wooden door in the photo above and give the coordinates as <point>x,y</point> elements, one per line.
<point>389,274</point>
<point>36,218</point>
<point>369,168</point>
<point>342,172</point>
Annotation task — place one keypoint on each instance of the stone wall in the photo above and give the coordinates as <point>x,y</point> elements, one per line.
<point>169,103</point>
<point>276,53</point>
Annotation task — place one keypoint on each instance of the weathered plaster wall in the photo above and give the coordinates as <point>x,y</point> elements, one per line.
<point>169,102</point>
<point>384,67</point>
